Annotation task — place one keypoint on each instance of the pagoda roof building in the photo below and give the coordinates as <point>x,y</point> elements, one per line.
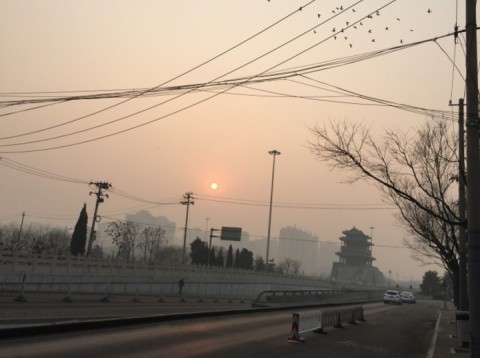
<point>356,248</point>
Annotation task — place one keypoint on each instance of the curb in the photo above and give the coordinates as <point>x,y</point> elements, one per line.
<point>433,342</point>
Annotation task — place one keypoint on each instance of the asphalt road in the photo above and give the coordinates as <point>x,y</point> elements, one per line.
<point>390,331</point>
<point>47,308</point>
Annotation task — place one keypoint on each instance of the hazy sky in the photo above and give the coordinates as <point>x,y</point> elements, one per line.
<point>218,133</point>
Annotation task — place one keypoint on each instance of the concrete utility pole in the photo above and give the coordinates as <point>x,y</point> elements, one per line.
<point>267,257</point>
<point>20,231</point>
<point>187,200</point>
<point>473,178</point>
<point>462,207</point>
<point>100,194</point>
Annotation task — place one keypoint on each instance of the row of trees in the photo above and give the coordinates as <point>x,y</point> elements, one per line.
<point>436,286</point>
<point>149,243</point>
<point>241,259</point>
<point>36,239</point>
<point>130,239</point>
<point>201,255</point>
<point>133,242</point>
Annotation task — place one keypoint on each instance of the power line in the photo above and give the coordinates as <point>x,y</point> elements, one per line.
<point>176,77</point>
<point>12,164</point>
<point>307,206</point>
<point>201,101</point>
<point>383,102</point>
<point>156,119</point>
<point>174,200</point>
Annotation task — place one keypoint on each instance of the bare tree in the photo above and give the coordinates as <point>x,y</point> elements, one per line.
<point>59,241</point>
<point>46,240</point>
<point>415,172</point>
<point>150,242</point>
<point>289,266</point>
<point>123,235</point>
<point>10,238</point>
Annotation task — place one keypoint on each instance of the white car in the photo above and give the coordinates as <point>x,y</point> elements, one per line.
<point>408,297</point>
<point>392,297</point>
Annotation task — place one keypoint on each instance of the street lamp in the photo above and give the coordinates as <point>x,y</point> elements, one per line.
<point>274,153</point>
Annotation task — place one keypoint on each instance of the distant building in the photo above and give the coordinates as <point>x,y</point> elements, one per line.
<point>144,218</point>
<point>326,256</point>
<point>299,245</point>
<point>355,264</point>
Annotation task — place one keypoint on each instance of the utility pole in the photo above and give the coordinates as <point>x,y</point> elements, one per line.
<point>274,153</point>
<point>462,207</point>
<point>210,244</point>
<point>473,178</point>
<point>20,232</point>
<point>101,187</point>
<point>187,200</point>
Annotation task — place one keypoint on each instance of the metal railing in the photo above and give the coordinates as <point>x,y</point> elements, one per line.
<point>317,319</point>
<point>272,297</point>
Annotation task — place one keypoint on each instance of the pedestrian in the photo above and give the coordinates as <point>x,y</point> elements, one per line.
<point>180,286</point>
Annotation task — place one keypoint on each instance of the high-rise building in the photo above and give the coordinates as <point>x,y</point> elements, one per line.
<point>301,246</point>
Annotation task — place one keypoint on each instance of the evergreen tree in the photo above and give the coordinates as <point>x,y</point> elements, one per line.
<point>259,264</point>
<point>79,236</point>
<point>213,258</point>
<point>199,252</point>
<point>244,259</point>
<point>430,283</point>
<point>236,263</point>
<point>220,258</point>
<point>229,263</point>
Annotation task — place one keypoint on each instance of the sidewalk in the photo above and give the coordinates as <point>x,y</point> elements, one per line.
<point>447,344</point>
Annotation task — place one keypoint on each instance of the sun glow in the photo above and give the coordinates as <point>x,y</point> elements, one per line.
<point>214,186</point>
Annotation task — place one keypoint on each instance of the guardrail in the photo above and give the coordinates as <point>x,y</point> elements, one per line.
<point>317,319</point>
<point>77,265</point>
<point>22,285</point>
<point>272,297</point>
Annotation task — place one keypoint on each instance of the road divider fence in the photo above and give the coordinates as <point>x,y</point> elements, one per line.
<point>318,319</point>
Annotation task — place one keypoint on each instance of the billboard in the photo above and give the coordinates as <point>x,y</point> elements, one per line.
<point>231,233</point>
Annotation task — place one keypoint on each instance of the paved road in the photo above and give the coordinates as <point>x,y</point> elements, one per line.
<point>390,331</point>
<point>46,308</point>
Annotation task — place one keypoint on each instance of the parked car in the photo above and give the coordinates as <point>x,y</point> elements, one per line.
<point>392,297</point>
<point>408,297</point>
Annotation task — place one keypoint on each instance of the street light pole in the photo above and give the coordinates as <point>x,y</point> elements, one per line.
<point>206,228</point>
<point>274,153</point>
